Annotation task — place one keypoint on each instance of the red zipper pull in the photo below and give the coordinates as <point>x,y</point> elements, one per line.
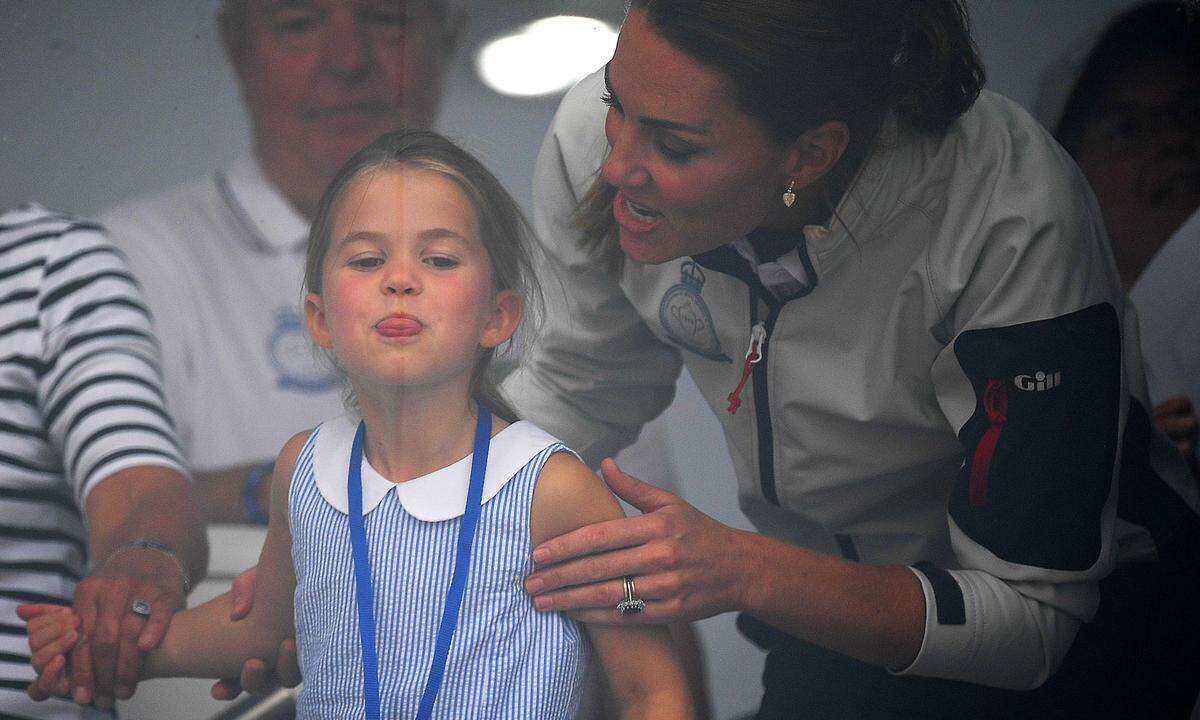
<point>995,406</point>
<point>758,334</point>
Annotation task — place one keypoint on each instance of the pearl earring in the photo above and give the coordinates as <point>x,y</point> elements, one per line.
<point>789,197</point>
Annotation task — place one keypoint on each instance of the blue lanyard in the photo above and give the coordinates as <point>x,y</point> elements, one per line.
<point>458,582</point>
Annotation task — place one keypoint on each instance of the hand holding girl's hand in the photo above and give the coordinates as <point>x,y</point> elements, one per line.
<point>685,565</point>
<point>106,664</point>
<point>53,632</point>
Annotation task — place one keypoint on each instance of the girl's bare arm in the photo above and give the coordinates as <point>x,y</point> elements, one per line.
<point>203,641</point>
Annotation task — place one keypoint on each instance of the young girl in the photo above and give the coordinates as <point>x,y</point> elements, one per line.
<point>403,538</point>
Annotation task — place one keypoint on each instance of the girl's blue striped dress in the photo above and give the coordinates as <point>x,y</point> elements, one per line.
<point>507,660</point>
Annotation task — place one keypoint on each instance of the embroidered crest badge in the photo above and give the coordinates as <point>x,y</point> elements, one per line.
<point>686,318</point>
<point>292,357</point>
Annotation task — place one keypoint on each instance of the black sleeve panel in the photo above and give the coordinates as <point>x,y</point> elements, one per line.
<point>1042,443</point>
<point>947,593</point>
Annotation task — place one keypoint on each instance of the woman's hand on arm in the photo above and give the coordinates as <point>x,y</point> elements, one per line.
<point>687,566</point>
<point>644,670</point>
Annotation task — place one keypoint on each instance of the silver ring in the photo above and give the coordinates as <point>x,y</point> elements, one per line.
<point>631,605</point>
<point>140,607</point>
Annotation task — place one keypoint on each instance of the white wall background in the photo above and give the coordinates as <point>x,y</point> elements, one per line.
<point>102,100</point>
<point>105,99</point>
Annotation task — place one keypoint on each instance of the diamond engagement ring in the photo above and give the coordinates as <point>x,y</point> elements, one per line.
<point>631,605</point>
<point>140,607</point>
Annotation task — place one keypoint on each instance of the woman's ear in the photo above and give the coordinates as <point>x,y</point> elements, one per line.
<point>318,329</point>
<point>815,152</point>
<point>507,309</point>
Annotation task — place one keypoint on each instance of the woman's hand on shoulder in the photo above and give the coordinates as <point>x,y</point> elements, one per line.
<point>640,661</point>
<point>684,564</point>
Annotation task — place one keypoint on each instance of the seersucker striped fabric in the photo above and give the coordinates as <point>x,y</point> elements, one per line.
<point>79,400</point>
<point>507,660</point>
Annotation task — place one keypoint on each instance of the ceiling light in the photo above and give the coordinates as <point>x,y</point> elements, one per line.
<point>547,56</point>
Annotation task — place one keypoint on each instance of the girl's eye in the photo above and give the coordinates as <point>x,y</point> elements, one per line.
<point>441,261</point>
<point>365,263</point>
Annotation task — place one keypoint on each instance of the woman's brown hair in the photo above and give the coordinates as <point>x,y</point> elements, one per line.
<point>795,64</point>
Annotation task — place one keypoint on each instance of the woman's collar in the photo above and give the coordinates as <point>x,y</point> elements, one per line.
<point>867,203</point>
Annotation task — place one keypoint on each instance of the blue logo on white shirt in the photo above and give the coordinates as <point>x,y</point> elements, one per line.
<point>686,318</point>
<point>291,354</point>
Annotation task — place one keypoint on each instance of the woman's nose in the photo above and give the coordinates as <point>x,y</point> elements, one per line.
<point>623,167</point>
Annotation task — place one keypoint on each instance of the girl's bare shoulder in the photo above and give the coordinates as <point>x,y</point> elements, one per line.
<point>285,468</point>
<point>568,496</point>
<point>286,460</point>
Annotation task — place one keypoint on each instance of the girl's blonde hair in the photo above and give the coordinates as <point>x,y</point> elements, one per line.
<point>506,234</point>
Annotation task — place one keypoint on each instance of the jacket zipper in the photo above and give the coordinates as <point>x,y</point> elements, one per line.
<point>726,260</point>
<point>758,333</point>
<point>762,401</point>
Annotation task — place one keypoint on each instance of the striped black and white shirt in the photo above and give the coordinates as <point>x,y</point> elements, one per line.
<point>79,401</point>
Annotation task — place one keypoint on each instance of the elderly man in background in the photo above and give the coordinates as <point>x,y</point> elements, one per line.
<point>95,509</point>
<point>221,257</point>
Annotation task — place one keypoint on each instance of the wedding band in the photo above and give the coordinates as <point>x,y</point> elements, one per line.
<point>140,607</point>
<point>631,605</point>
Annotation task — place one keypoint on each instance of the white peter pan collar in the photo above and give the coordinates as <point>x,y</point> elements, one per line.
<point>440,495</point>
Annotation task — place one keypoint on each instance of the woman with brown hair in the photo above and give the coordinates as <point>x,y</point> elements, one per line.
<point>893,289</point>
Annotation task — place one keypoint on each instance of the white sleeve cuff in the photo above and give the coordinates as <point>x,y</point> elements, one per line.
<point>979,629</point>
